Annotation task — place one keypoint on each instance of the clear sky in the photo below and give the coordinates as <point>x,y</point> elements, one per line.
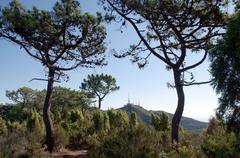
<point>147,86</point>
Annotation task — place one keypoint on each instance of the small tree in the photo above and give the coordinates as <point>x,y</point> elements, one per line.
<point>155,121</point>
<point>98,120</point>
<point>118,119</point>
<point>164,122</point>
<point>35,123</point>
<point>99,86</point>
<point>160,123</point>
<point>65,99</point>
<point>61,40</point>
<point>23,96</point>
<point>214,127</point>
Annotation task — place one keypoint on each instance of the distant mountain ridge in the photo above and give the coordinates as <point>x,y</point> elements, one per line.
<point>144,116</point>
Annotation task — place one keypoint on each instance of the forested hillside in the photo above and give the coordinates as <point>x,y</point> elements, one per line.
<point>144,116</point>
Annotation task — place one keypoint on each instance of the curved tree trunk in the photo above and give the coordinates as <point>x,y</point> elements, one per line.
<point>46,111</point>
<point>180,105</point>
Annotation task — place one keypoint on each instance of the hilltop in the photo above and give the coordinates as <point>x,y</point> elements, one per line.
<point>144,116</point>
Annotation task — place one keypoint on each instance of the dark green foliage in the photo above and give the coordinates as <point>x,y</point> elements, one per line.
<point>17,113</point>
<point>23,95</point>
<point>225,63</point>
<point>220,143</point>
<point>130,143</point>
<point>144,117</point>
<point>99,86</point>
<point>101,121</point>
<point>71,121</point>
<point>66,99</point>
<point>221,146</point>
<point>133,120</point>
<point>3,126</point>
<point>113,134</point>
<point>35,123</point>
<point>155,122</point>
<point>143,142</point>
<point>162,123</point>
<point>118,119</point>
<point>75,116</point>
<point>98,119</point>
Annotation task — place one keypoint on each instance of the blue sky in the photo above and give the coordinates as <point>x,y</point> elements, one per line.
<point>147,86</point>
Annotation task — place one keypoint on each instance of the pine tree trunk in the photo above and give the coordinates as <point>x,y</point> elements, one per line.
<point>99,103</point>
<point>46,112</point>
<point>180,105</point>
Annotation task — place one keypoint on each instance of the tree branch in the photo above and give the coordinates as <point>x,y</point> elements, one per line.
<point>181,42</point>
<point>21,44</point>
<point>162,44</point>
<point>195,65</point>
<point>139,34</point>
<point>41,79</point>
<point>196,83</point>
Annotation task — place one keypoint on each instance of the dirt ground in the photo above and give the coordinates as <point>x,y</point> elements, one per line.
<point>70,154</point>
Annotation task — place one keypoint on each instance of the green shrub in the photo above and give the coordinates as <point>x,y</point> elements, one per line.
<point>133,119</point>
<point>221,146</point>
<point>17,113</point>
<point>3,127</point>
<point>35,123</point>
<point>162,123</point>
<point>98,120</point>
<point>14,142</point>
<point>61,137</point>
<point>118,119</point>
<point>139,142</point>
<point>220,143</point>
<point>75,116</point>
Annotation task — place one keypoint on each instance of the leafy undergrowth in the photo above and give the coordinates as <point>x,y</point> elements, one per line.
<point>109,134</point>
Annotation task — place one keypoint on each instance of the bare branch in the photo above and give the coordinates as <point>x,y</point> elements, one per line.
<point>196,83</point>
<point>41,79</point>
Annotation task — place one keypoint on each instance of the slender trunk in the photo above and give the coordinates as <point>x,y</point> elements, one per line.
<point>63,107</point>
<point>46,111</point>
<point>99,103</point>
<point>180,105</point>
<point>83,111</point>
